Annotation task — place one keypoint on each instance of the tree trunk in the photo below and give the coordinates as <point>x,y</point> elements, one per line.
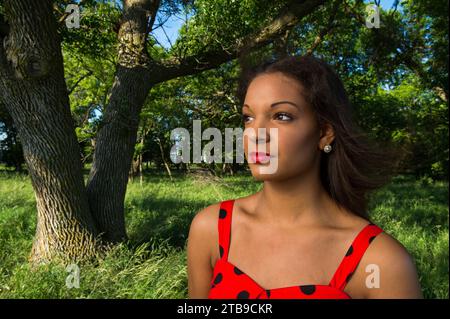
<point>141,176</point>
<point>134,169</point>
<point>141,156</point>
<point>116,138</point>
<point>166,165</point>
<point>114,151</point>
<point>35,94</point>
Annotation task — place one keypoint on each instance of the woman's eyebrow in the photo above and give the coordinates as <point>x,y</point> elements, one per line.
<point>284,102</point>
<point>277,103</point>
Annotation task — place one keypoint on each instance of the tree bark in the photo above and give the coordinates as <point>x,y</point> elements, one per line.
<point>35,94</point>
<point>116,138</point>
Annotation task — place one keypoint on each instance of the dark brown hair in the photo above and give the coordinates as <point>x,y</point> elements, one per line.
<point>356,165</point>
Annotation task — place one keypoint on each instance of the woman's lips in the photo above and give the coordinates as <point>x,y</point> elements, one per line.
<point>259,157</point>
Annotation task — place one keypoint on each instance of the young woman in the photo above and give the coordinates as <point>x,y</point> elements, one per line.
<point>306,233</point>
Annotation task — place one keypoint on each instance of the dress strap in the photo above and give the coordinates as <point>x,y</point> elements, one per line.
<point>353,256</point>
<point>224,224</point>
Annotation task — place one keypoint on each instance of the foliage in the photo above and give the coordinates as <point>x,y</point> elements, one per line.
<point>218,24</point>
<point>396,76</point>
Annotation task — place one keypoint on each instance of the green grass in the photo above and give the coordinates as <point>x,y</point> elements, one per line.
<point>158,214</point>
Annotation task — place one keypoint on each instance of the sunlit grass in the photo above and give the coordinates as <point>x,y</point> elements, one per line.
<point>158,214</point>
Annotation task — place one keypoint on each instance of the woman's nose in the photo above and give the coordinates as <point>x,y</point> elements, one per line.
<point>260,135</point>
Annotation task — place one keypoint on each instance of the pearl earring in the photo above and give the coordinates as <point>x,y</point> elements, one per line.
<point>327,148</point>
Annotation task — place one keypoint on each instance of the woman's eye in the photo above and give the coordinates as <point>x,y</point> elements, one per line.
<point>283,117</point>
<point>245,118</point>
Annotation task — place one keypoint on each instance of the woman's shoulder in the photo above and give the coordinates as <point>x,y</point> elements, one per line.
<point>205,221</point>
<point>203,233</point>
<point>387,260</point>
<point>386,250</point>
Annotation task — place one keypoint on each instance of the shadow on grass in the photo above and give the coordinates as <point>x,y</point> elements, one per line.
<point>158,220</point>
<point>414,203</point>
<point>168,219</point>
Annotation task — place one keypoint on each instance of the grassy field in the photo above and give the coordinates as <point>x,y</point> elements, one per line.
<point>158,214</point>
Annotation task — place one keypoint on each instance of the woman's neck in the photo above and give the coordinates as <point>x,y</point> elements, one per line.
<point>301,200</point>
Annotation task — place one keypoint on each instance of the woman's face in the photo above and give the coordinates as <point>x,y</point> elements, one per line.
<point>275,101</point>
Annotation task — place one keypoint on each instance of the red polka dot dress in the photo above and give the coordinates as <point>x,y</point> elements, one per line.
<point>229,282</point>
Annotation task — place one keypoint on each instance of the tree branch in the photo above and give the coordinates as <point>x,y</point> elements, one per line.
<point>327,29</point>
<point>78,81</point>
<point>133,32</point>
<point>167,37</point>
<point>154,10</point>
<point>172,68</point>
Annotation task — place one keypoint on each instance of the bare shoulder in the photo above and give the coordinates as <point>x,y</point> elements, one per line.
<point>391,269</point>
<point>206,218</point>
<point>203,232</point>
<point>204,223</point>
<point>200,244</point>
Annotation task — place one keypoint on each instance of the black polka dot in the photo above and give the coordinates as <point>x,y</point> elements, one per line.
<point>349,251</point>
<point>237,271</point>
<point>371,224</point>
<point>349,276</point>
<point>221,251</point>
<point>308,289</point>
<point>222,213</point>
<point>218,278</point>
<point>213,286</point>
<point>268,293</point>
<point>243,295</point>
<point>371,238</point>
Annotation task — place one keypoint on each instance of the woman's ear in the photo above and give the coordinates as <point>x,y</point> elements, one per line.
<point>326,135</point>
